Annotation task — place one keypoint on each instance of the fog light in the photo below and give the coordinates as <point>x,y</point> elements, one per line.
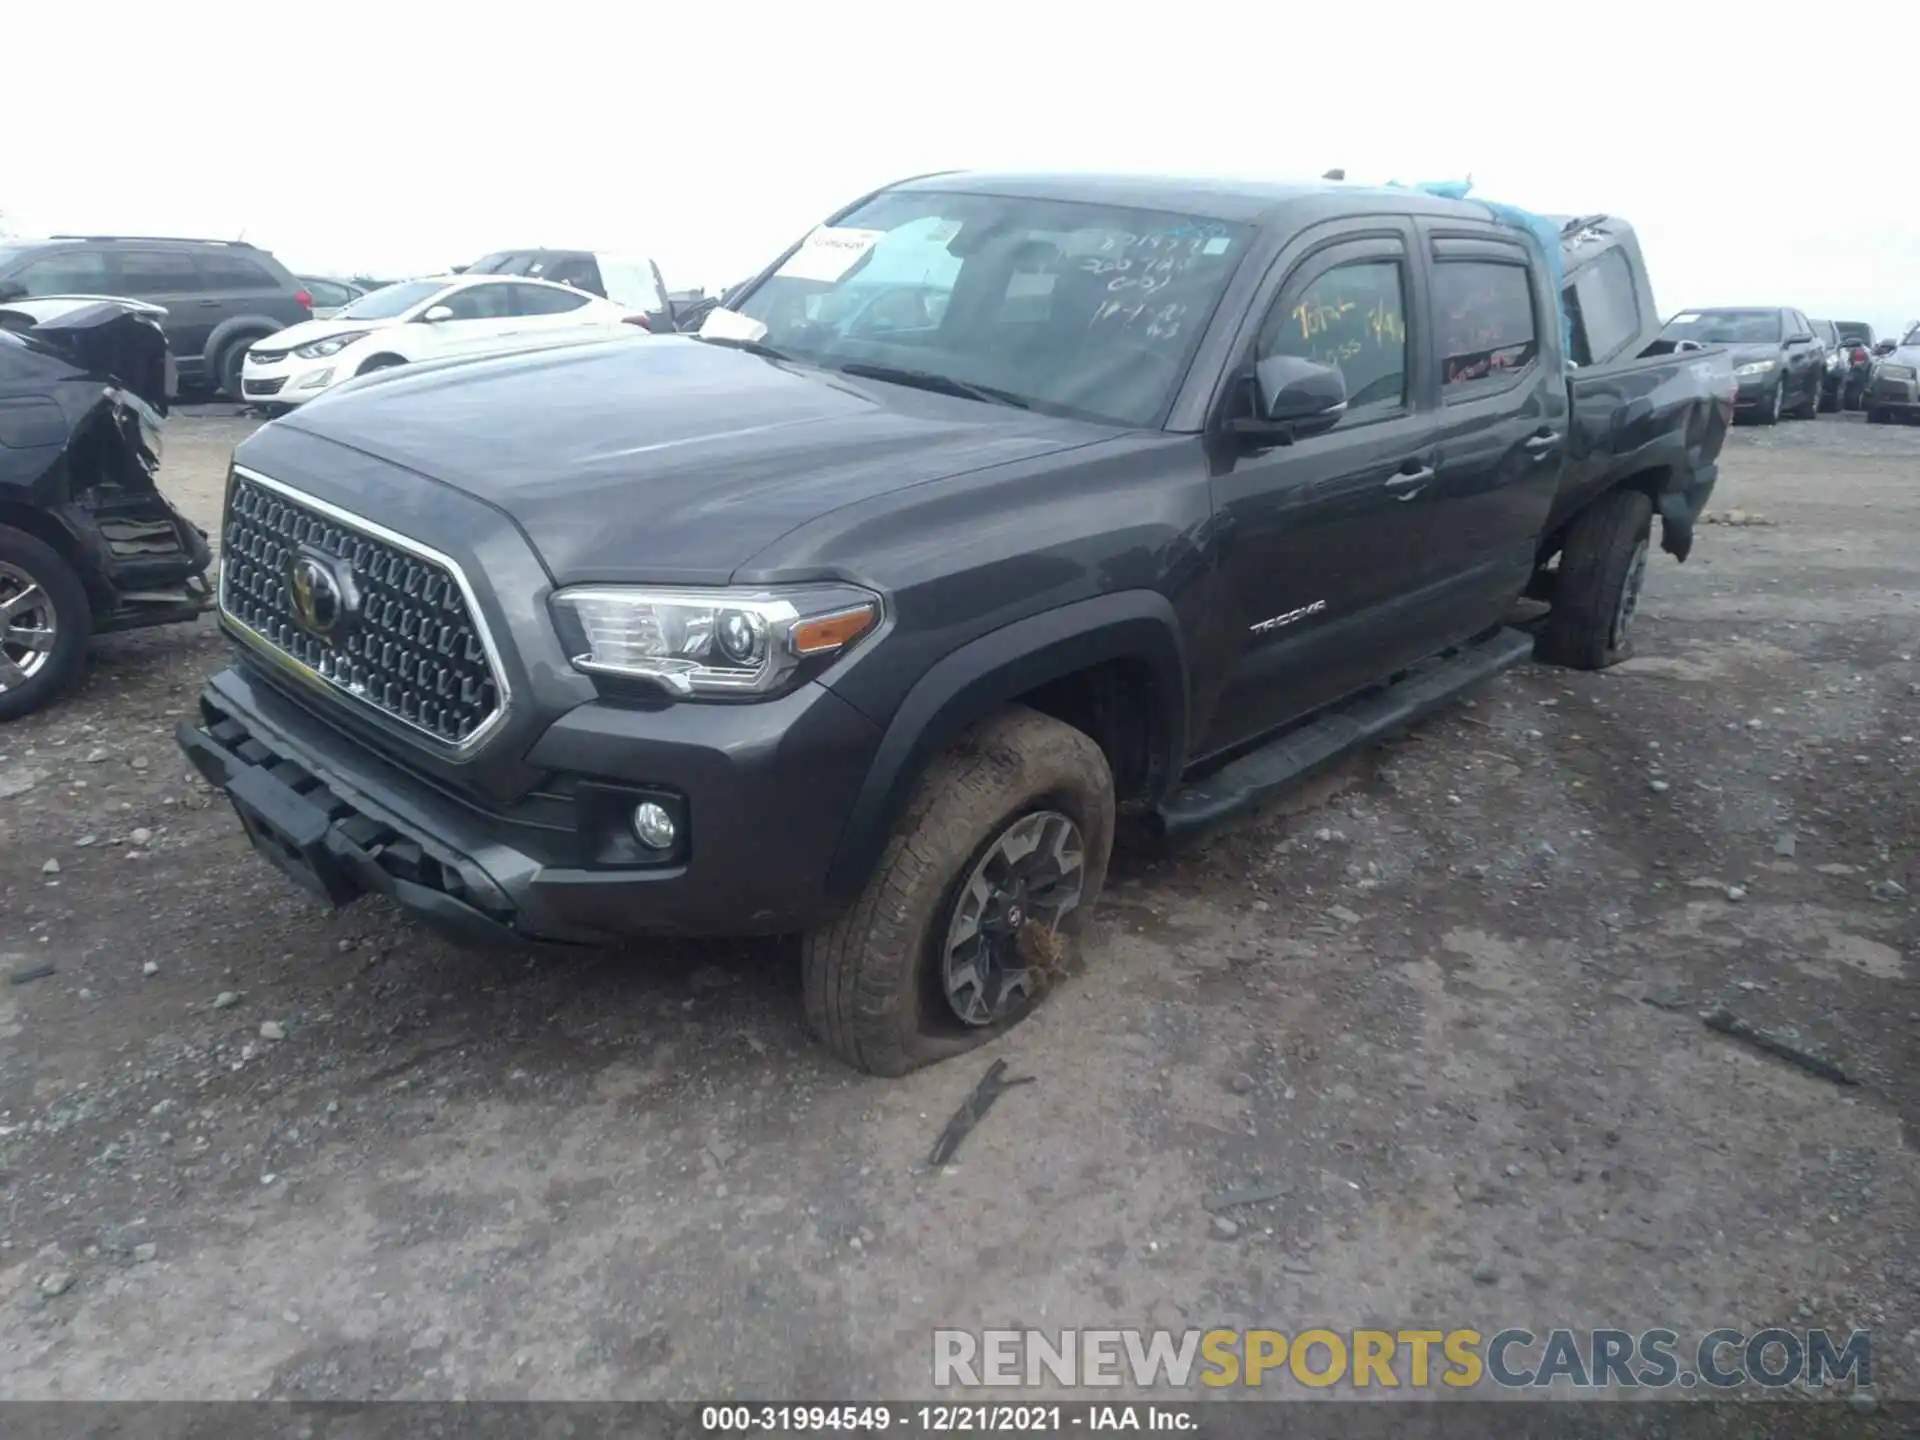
<point>653,825</point>
<point>319,377</point>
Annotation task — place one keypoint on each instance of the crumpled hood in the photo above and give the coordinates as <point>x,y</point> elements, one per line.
<point>664,459</point>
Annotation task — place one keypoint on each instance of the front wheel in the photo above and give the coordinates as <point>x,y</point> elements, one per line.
<point>1603,567</point>
<point>45,619</point>
<point>1774,406</point>
<point>1877,417</point>
<point>967,919</point>
<point>232,363</point>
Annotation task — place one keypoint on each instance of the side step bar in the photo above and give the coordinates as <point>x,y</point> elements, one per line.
<point>1239,785</point>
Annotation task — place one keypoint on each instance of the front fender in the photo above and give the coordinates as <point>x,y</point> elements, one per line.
<point>987,673</point>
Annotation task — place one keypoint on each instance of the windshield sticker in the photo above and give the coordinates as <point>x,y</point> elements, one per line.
<point>724,324</point>
<point>829,253</point>
<point>1216,245</point>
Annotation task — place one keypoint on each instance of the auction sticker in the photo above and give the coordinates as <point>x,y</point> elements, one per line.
<point>829,252</point>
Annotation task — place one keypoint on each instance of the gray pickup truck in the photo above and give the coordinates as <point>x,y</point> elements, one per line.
<point>994,509</point>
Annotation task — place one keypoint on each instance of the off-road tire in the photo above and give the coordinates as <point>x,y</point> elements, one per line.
<point>871,978</point>
<point>73,622</point>
<point>1595,568</point>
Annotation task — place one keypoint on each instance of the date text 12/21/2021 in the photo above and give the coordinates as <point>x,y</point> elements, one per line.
<point>947,1419</point>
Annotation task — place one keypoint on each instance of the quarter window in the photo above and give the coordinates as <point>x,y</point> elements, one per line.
<point>1353,318</point>
<point>539,300</point>
<point>1486,319</point>
<point>231,272</point>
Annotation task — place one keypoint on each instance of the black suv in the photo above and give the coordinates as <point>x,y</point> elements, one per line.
<point>220,295</point>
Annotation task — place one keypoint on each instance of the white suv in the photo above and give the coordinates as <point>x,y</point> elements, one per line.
<point>437,319</point>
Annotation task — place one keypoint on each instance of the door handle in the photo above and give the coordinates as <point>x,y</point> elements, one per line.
<point>1410,482</point>
<point>1543,442</point>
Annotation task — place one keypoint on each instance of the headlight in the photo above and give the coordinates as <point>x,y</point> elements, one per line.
<point>711,642</point>
<point>1756,367</point>
<point>332,345</point>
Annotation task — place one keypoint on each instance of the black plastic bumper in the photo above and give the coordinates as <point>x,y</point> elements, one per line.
<point>764,790</point>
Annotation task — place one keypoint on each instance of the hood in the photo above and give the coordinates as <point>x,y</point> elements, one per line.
<point>1908,355</point>
<point>666,459</point>
<point>308,331</point>
<point>1747,354</point>
<point>118,341</point>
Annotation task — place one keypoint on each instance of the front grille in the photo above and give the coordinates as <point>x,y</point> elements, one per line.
<point>263,387</point>
<point>267,357</point>
<point>411,648</point>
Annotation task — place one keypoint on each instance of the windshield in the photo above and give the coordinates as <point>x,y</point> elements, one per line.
<point>392,300</point>
<point>1912,337</point>
<point>1727,327</point>
<point>10,252</point>
<point>1076,309</point>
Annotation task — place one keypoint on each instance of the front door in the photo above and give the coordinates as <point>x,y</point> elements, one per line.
<point>1322,536</point>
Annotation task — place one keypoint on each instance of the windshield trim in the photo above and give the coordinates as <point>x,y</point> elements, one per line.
<point>440,288</point>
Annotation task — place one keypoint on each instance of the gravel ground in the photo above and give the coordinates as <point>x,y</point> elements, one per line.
<point>250,1148</point>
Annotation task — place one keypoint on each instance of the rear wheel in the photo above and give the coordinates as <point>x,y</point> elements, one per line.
<point>967,920</point>
<point>1603,567</point>
<point>45,619</point>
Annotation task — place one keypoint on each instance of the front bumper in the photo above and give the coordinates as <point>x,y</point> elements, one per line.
<point>290,381</point>
<point>1756,392</point>
<point>764,791</point>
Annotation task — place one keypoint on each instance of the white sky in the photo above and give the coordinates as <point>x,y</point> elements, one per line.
<point>1762,163</point>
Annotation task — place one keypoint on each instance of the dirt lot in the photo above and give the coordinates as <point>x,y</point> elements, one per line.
<point>1452,1009</point>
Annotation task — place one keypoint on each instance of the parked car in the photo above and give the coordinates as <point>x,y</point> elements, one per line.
<point>439,319</point>
<point>1894,392</point>
<point>1780,364</point>
<point>1858,339</point>
<point>631,281</point>
<point>1833,383</point>
<point>870,636</point>
<point>88,543</point>
<point>220,295</point>
<point>330,297</point>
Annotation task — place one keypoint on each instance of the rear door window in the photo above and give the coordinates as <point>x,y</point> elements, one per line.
<point>541,300</point>
<point>158,272</point>
<point>1485,315</point>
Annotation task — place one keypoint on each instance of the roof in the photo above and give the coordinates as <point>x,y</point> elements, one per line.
<point>1236,200</point>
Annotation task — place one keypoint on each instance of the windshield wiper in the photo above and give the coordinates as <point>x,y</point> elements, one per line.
<point>934,381</point>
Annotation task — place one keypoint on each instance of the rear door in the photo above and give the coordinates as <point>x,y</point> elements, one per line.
<point>548,310</point>
<point>244,286</point>
<point>170,278</point>
<point>1323,537</point>
<point>1503,419</point>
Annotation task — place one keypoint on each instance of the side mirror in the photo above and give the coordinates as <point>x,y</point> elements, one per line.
<point>1299,397</point>
<point>437,314</point>
<point>1799,339</point>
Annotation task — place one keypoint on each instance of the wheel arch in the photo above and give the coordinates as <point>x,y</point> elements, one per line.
<point>1114,663</point>
<point>237,327</point>
<point>63,542</point>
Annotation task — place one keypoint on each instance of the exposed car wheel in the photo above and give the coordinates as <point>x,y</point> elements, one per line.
<point>378,362</point>
<point>45,621</point>
<point>1831,405</point>
<point>1771,408</point>
<point>1603,567</point>
<point>967,920</point>
<point>232,360</point>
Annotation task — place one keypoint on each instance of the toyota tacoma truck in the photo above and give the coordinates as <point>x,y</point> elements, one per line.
<point>994,511</point>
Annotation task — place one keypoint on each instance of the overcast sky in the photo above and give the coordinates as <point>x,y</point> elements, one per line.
<point>402,138</point>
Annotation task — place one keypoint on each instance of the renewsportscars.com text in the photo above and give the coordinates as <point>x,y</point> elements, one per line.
<point>1511,1358</point>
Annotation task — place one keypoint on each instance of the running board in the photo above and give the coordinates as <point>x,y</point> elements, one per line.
<point>1239,785</point>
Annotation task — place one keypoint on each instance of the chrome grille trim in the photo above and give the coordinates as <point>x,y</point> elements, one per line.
<point>265,647</point>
